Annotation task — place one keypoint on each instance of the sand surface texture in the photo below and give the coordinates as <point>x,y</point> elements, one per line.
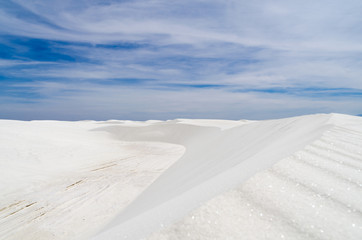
<point>293,178</point>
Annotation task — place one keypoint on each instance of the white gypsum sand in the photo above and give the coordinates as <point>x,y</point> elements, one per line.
<point>63,180</point>
<point>315,193</point>
<point>294,178</point>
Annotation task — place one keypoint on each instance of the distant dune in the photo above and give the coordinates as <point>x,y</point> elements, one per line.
<point>293,178</point>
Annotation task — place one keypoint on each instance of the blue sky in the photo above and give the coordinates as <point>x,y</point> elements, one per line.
<point>158,59</point>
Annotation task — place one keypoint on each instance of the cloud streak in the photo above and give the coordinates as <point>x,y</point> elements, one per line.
<point>160,59</point>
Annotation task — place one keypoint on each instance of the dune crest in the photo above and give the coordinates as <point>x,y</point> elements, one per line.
<point>215,160</point>
<point>315,193</point>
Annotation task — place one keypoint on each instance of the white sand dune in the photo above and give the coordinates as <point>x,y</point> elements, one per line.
<point>294,178</point>
<point>61,180</point>
<point>315,193</point>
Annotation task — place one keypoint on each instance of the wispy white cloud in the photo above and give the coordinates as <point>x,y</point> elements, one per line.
<point>93,101</point>
<point>89,53</point>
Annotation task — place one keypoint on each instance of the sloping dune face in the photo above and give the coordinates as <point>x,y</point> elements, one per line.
<point>294,178</point>
<point>215,160</point>
<point>315,193</point>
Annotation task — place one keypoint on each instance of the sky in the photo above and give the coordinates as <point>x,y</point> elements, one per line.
<point>165,59</point>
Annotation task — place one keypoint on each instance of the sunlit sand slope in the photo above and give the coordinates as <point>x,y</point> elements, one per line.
<point>315,193</point>
<point>215,161</point>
